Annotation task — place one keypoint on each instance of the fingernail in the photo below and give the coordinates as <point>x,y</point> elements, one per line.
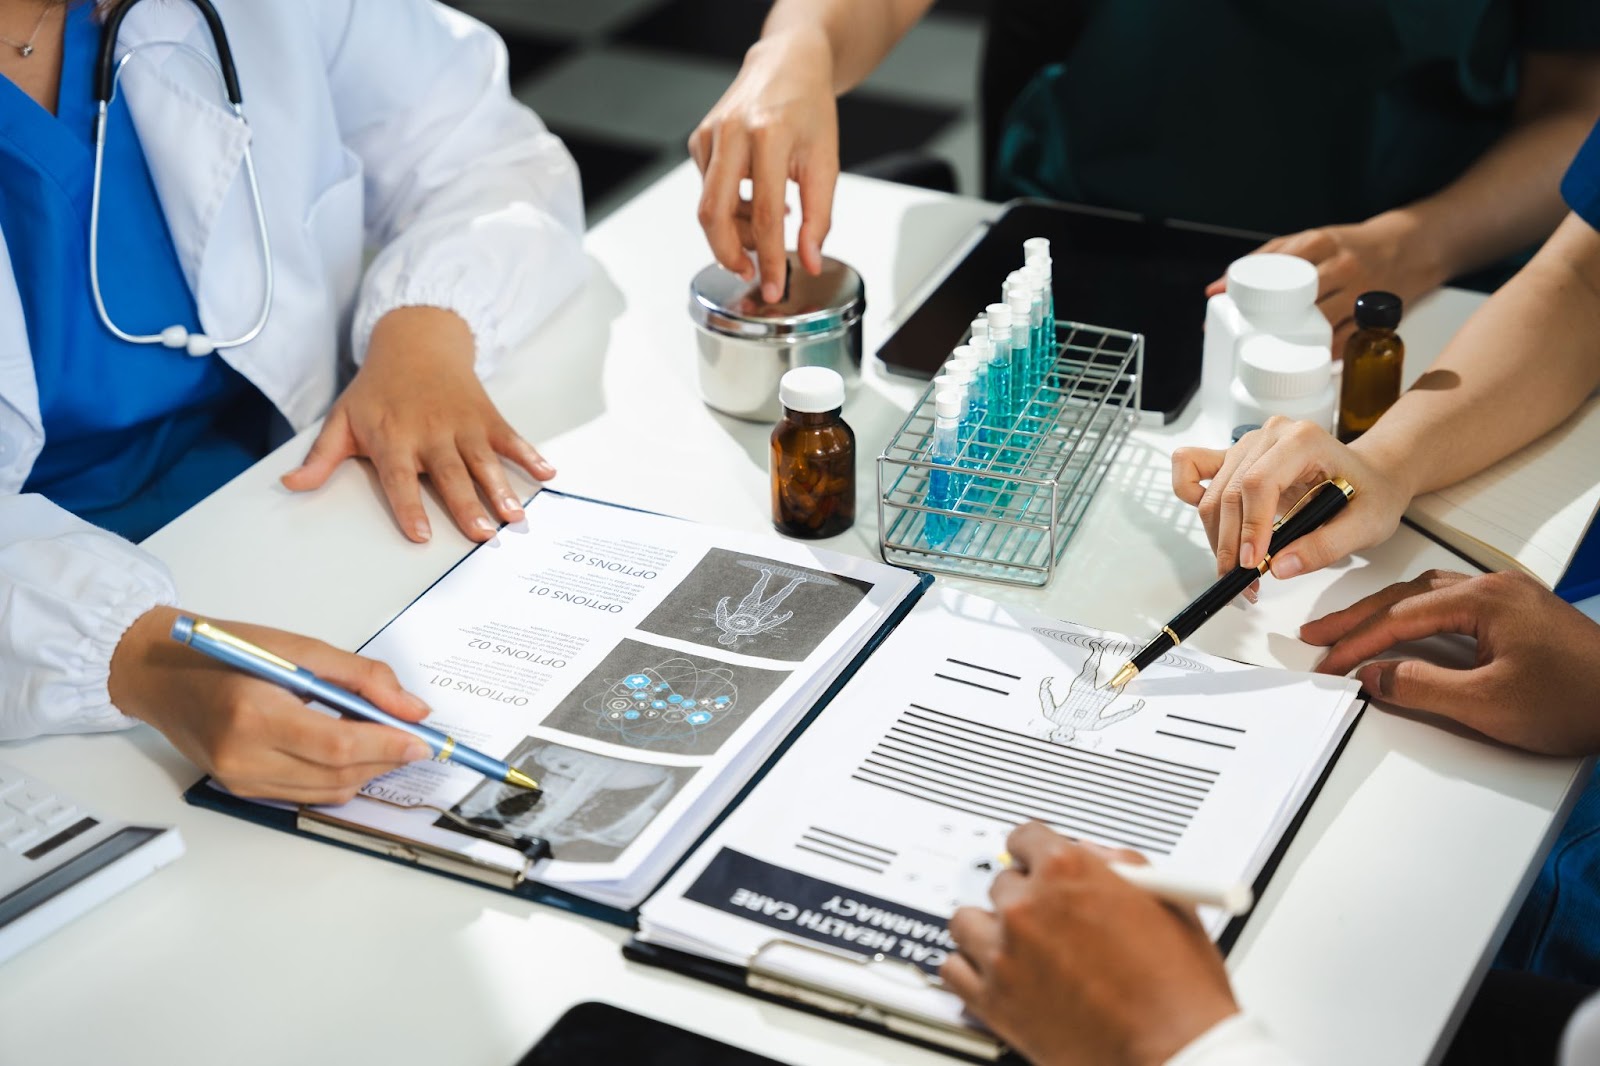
<point>512,504</point>
<point>420,531</point>
<point>1287,566</point>
<point>417,704</point>
<point>483,525</point>
<point>1252,595</point>
<point>1247,556</point>
<point>771,293</point>
<point>416,751</point>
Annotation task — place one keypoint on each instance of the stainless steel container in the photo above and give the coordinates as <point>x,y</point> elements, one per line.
<point>746,345</point>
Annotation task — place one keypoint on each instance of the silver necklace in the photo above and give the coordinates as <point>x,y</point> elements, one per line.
<point>25,48</point>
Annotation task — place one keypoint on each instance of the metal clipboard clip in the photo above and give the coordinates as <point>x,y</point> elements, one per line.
<point>877,990</point>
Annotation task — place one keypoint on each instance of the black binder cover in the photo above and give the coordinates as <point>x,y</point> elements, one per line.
<point>202,794</point>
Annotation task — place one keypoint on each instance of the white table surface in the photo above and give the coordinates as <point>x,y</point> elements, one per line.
<point>259,947</point>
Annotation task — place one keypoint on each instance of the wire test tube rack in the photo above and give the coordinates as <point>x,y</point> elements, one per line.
<point>1023,488</point>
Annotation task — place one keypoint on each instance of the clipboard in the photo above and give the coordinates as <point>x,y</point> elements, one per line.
<point>506,868</point>
<point>770,976</point>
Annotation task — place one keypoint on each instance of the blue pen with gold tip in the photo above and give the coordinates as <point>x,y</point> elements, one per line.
<point>240,654</point>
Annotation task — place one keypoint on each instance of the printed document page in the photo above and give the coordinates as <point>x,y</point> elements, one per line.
<point>639,667</point>
<point>969,720</point>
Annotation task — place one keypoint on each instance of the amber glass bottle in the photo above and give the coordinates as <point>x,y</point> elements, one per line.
<point>1373,358</point>
<point>813,457</point>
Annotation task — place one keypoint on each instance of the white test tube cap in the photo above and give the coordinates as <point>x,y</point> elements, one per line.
<point>947,404</point>
<point>999,318</point>
<point>1021,303</point>
<point>959,371</point>
<point>980,347</point>
<point>1036,247</point>
<point>961,351</point>
<point>979,327</point>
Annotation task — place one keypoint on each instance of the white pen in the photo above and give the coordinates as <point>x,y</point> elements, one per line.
<point>1231,898</point>
<point>1234,898</point>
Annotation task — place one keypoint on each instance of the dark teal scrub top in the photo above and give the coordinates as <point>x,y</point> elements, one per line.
<point>134,434</point>
<point>1272,115</point>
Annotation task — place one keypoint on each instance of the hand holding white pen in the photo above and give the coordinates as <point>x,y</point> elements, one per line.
<point>1184,890</point>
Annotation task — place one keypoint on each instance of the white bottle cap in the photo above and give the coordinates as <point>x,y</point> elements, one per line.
<point>980,326</point>
<point>959,371</point>
<point>1035,248</point>
<point>999,318</point>
<point>982,347</point>
<point>1275,369</point>
<point>961,351</point>
<point>1021,304</point>
<point>1272,285</point>
<point>811,390</point>
<point>947,404</point>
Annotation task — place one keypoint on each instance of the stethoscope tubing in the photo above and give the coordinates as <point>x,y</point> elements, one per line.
<point>107,76</point>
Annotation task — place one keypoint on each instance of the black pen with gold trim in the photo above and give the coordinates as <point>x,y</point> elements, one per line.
<point>1314,509</point>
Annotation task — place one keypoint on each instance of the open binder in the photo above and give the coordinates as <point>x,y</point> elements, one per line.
<point>864,673</point>
<point>512,865</point>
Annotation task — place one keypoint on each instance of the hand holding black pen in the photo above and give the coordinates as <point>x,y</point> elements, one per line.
<point>1314,509</point>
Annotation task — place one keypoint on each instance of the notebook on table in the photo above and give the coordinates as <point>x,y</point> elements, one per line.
<point>1531,510</point>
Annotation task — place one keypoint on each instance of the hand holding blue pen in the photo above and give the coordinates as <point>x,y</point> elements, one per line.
<point>242,655</point>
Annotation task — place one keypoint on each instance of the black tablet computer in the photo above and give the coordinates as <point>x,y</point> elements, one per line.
<point>599,1034</point>
<point>1110,269</point>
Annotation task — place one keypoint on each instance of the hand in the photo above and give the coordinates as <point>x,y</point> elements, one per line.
<point>254,737</point>
<point>1075,965</point>
<point>1385,252</point>
<point>1538,661</point>
<point>778,120</point>
<point>416,407</point>
<point>1241,492</point>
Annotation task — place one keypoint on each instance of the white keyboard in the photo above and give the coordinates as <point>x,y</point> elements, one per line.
<point>57,859</point>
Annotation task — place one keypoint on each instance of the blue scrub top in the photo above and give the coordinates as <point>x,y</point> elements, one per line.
<point>1581,189</point>
<point>1557,932</point>
<point>134,434</point>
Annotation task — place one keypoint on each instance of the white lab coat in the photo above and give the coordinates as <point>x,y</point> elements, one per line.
<point>381,124</point>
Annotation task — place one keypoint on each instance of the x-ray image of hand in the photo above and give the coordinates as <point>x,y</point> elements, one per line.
<point>1085,706</point>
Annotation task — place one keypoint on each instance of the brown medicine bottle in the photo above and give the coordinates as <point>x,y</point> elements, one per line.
<point>813,456</point>
<point>1373,358</point>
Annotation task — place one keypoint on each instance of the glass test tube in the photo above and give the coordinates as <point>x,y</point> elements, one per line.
<point>944,484</point>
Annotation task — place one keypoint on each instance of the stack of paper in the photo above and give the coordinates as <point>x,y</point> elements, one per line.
<point>973,718</point>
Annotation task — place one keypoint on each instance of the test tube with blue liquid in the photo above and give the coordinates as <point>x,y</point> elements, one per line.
<point>1001,416</point>
<point>1022,360</point>
<point>978,350</point>
<point>945,485</point>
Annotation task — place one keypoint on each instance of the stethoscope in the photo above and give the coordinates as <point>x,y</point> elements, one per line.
<point>107,74</point>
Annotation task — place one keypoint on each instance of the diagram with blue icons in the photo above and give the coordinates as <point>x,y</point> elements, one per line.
<point>664,702</point>
<point>644,696</point>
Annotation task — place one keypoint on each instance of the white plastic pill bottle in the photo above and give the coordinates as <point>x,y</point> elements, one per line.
<point>1268,293</point>
<point>1279,377</point>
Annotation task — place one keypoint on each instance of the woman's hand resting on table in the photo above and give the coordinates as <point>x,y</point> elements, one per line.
<point>1240,492</point>
<point>254,737</point>
<point>416,407</point>
<point>1537,671</point>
